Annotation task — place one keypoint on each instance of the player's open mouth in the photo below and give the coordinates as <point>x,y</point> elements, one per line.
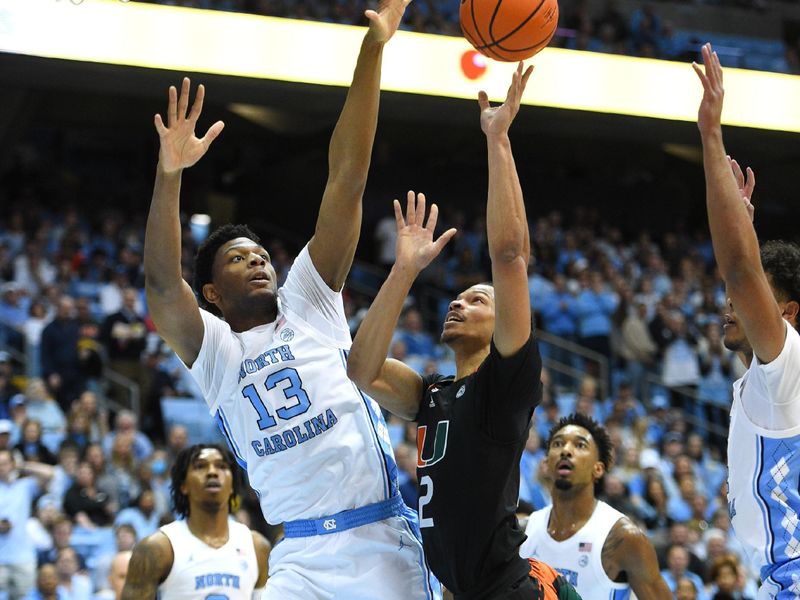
<point>213,486</point>
<point>564,467</point>
<point>727,320</point>
<point>453,317</point>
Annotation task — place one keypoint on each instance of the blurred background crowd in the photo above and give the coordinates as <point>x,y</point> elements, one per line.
<point>627,302</point>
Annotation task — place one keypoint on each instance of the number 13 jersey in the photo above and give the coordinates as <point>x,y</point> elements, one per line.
<point>312,444</point>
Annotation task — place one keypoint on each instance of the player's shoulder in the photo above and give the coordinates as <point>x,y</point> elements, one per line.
<point>625,536</point>
<point>260,543</point>
<point>154,554</point>
<point>435,382</point>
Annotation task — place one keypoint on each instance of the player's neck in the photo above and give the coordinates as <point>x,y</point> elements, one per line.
<point>240,323</point>
<point>209,524</point>
<point>469,359</point>
<point>570,512</point>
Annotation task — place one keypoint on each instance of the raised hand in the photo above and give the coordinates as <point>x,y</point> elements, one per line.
<point>498,119</point>
<point>180,147</point>
<point>709,116</point>
<point>385,21</point>
<point>415,247</point>
<point>746,185</point>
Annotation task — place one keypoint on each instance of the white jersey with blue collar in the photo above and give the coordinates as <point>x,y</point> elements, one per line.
<point>311,442</point>
<point>764,469</point>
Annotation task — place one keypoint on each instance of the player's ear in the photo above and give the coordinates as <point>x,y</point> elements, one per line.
<point>598,470</point>
<point>210,293</point>
<point>790,312</point>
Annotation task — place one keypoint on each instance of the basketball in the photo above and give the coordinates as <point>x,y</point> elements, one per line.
<point>509,30</point>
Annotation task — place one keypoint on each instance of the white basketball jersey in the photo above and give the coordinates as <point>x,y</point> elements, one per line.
<point>764,469</point>
<point>312,444</point>
<point>578,558</point>
<point>200,571</point>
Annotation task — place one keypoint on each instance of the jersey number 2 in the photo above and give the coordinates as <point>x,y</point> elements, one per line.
<point>293,391</point>
<point>427,482</point>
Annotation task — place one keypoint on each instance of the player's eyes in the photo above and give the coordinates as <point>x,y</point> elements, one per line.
<point>236,259</point>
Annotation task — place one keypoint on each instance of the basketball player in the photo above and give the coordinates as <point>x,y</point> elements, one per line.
<point>472,429</point>
<point>595,547</point>
<point>763,289</point>
<point>273,371</point>
<point>206,554</point>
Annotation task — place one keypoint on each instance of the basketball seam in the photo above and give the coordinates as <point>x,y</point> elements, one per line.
<point>536,45</point>
<point>513,31</point>
<point>478,31</point>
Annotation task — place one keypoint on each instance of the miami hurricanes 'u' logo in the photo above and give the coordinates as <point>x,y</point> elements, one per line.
<point>439,443</point>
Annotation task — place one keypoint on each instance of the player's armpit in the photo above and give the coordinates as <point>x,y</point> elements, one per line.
<point>757,312</point>
<point>150,564</point>
<point>177,318</point>
<point>628,549</point>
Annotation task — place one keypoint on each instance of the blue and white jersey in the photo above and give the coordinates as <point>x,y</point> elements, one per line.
<point>312,444</point>
<point>764,469</point>
<point>200,571</point>
<point>579,558</point>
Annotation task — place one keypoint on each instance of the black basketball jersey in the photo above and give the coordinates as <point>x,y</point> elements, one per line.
<point>470,436</point>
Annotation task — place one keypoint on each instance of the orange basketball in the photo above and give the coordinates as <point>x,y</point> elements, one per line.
<point>509,30</point>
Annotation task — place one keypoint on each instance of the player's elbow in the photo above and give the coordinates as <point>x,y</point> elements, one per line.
<point>359,372</point>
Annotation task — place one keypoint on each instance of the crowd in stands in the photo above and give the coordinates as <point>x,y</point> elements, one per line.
<point>641,32</point>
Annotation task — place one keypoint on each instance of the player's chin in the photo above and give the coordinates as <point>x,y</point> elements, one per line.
<point>563,483</point>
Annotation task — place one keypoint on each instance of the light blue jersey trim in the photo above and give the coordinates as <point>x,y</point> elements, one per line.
<point>620,594</point>
<point>389,470</point>
<point>433,589</point>
<point>224,427</point>
<point>762,505</point>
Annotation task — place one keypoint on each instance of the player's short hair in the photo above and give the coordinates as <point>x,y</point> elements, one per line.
<point>599,434</point>
<point>781,260</point>
<point>185,458</point>
<point>204,259</point>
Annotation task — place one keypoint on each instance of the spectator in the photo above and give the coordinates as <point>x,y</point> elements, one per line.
<point>60,360</point>
<point>142,515</point>
<point>65,470</point>
<point>686,589</point>
<point>71,583</point>
<point>677,570</point>
<point>637,347</point>
<point>14,306</point>
<point>40,526</point>
<point>84,502</point>
<point>418,342</point>
<point>98,416</point>
<point>124,541</point>
<point>62,529</point>
<point>595,305</point>
<point>38,318</point>
<point>17,555</point>
<point>123,334</point>
<point>46,585</point>
<point>116,577</point>
<point>7,388</point>
<point>40,406</point>
<point>31,446</point>
<point>727,579</point>
<point>126,425</point>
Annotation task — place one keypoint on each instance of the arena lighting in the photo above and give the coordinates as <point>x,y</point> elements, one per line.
<point>191,40</point>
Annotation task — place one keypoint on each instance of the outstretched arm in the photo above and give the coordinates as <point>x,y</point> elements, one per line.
<point>150,564</point>
<point>627,549</point>
<point>170,299</point>
<point>735,243</point>
<point>506,222</point>
<point>339,221</point>
<point>395,386</point>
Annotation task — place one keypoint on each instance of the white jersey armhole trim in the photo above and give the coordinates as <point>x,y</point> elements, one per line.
<point>777,364</point>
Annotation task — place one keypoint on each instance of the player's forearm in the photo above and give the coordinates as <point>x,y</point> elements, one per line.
<point>351,143</point>
<point>732,234</point>
<point>162,240</point>
<point>506,222</point>
<point>371,345</point>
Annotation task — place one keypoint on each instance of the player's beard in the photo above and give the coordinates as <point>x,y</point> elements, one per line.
<point>563,484</point>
